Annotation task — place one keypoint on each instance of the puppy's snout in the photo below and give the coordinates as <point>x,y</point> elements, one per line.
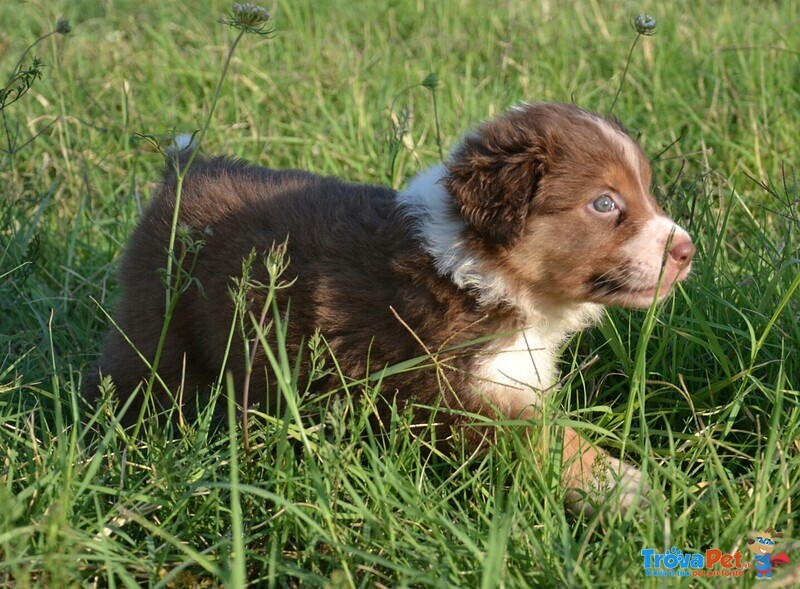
<point>683,250</point>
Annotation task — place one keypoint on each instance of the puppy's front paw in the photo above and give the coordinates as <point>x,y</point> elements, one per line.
<point>594,480</point>
<point>629,487</point>
<point>612,485</point>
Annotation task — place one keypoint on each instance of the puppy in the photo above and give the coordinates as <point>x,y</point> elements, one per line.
<point>487,262</point>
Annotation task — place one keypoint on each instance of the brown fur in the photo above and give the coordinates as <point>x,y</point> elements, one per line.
<point>521,184</point>
<point>333,230</point>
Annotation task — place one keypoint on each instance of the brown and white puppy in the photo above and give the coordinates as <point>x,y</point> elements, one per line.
<point>538,218</point>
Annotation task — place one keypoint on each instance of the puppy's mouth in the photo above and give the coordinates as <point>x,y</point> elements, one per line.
<point>628,287</point>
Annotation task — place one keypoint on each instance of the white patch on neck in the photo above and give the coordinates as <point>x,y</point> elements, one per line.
<point>440,229</point>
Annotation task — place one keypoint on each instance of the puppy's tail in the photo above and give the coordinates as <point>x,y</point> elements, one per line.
<point>180,150</point>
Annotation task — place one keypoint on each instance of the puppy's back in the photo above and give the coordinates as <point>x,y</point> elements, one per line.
<point>228,209</point>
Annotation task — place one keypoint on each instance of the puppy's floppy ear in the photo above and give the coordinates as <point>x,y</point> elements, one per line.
<point>494,175</point>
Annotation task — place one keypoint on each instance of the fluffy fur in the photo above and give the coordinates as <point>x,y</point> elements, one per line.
<point>538,219</point>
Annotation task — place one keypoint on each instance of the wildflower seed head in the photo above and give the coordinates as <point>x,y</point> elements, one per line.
<point>431,81</point>
<point>182,232</point>
<point>250,18</point>
<point>644,24</point>
<point>62,26</point>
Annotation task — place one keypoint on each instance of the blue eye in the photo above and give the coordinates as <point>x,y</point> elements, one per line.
<point>604,204</point>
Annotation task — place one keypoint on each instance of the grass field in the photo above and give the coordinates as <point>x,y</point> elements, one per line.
<point>704,395</point>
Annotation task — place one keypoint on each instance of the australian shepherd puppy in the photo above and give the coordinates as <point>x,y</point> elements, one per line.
<point>488,262</point>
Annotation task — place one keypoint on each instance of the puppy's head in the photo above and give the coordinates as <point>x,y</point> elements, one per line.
<point>558,200</point>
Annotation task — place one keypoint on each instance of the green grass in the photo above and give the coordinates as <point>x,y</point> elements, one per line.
<point>704,395</point>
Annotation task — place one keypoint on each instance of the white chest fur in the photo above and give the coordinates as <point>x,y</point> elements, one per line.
<point>524,366</point>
